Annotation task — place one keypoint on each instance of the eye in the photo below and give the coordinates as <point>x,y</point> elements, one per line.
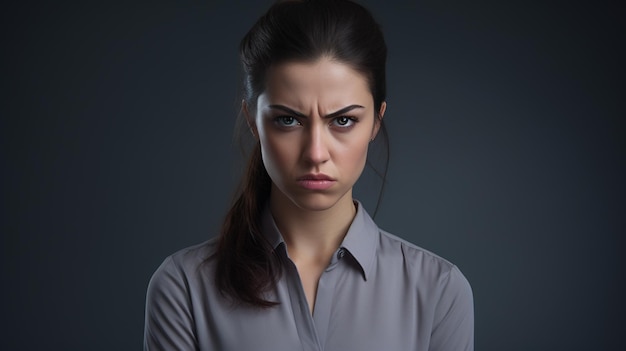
<point>344,121</point>
<point>286,121</point>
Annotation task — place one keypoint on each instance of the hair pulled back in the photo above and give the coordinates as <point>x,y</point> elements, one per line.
<point>294,30</point>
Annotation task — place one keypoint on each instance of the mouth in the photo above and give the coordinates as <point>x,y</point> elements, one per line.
<point>316,181</point>
<point>318,176</point>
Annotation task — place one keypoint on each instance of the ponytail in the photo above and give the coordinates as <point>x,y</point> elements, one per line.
<point>246,264</point>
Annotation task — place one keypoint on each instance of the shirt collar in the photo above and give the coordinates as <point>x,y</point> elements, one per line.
<point>269,228</point>
<point>360,240</point>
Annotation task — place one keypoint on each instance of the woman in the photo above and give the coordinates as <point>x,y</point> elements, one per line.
<point>299,264</point>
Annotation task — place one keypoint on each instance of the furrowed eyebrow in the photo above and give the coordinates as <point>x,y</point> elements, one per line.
<point>287,109</point>
<point>330,115</point>
<point>343,111</point>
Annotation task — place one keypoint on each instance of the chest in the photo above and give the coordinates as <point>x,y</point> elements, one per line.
<point>351,313</point>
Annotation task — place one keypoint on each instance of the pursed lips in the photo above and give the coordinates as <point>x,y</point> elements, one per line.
<point>316,181</point>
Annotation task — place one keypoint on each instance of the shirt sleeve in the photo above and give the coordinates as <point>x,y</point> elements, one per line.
<point>453,328</point>
<point>168,320</point>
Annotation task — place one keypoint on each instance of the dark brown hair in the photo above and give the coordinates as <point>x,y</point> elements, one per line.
<point>247,266</point>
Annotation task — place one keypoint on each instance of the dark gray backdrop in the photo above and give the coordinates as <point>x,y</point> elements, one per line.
<point>507,134</point>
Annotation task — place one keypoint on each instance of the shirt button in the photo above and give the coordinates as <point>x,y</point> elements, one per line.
<point>341,253</point>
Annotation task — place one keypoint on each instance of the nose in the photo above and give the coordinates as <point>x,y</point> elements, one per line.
<point>315,148</point>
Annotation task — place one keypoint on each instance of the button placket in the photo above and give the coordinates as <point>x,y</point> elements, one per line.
<point>324,302</point>
<point>299,305</point>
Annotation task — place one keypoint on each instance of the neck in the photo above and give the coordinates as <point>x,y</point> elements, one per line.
<point>312,233</point>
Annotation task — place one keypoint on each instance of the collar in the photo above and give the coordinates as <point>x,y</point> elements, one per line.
<point>360,241</point>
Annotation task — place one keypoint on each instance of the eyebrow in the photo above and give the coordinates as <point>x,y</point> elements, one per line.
<point>330,115</point>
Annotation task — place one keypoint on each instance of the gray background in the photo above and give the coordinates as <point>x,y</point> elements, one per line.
<point>507,135</point>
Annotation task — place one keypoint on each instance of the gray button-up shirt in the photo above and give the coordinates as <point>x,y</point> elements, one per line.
<point>378,293</point>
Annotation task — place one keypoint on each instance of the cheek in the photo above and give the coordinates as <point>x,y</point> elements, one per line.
<point>277,156</point>
<point>354,158</point>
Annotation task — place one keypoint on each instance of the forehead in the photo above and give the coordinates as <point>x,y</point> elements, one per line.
<point>322,81</point>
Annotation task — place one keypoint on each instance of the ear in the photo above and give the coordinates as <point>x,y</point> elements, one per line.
<point>379,119</point>
<point>249,119</point>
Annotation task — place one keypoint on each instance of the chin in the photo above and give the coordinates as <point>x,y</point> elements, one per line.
<point>316,201</point>
<point>310,200</point>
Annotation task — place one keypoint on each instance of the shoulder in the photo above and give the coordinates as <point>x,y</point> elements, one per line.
<point>421,264</point>
<point>192,256</point>
<point>183,265</point>
<point>412,254</point>
<point>169,310</point>
<point>434,277</point>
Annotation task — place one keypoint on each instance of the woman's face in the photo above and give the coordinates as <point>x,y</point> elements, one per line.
<point>314,122</point>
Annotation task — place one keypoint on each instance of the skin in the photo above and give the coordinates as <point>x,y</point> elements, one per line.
<point>314,118</point>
